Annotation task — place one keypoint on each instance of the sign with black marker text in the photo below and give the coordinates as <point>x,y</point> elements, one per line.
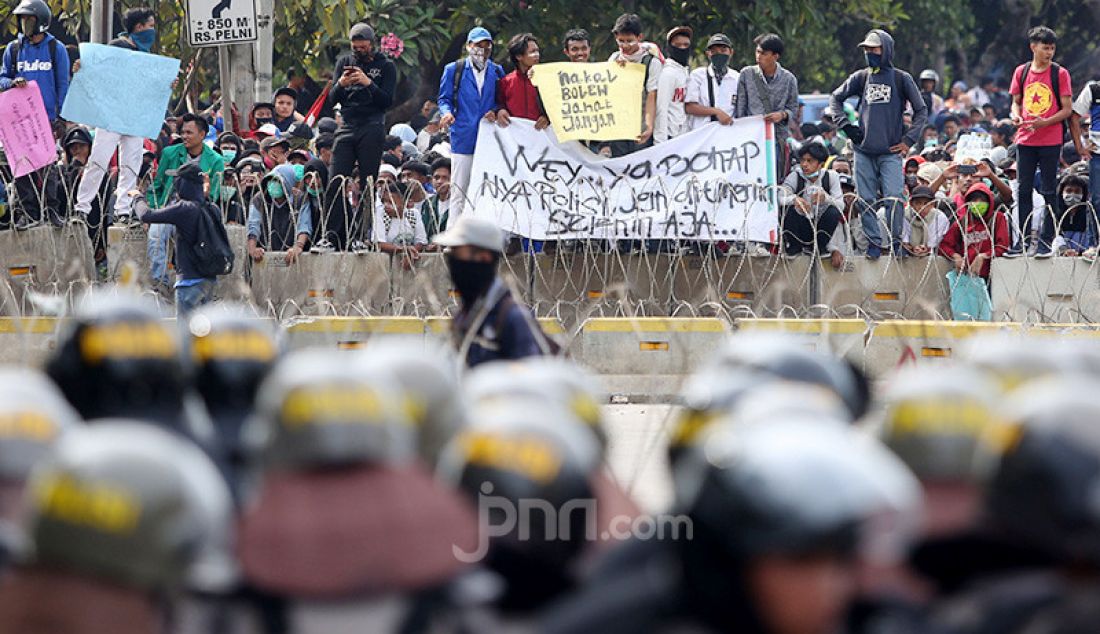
<point>714,183</point>
<point>217,22</point>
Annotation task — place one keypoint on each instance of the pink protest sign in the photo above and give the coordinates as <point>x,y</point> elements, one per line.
<point>25,130</point>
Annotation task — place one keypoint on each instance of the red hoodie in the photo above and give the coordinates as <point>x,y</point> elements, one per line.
<point>969,235</point>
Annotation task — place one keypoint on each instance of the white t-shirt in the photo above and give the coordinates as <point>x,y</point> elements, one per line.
<point>405,231</point>
<point>725,92</point>
<point>1083,106</point>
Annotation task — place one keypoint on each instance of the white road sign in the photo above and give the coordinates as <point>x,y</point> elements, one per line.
<point>216,22</point>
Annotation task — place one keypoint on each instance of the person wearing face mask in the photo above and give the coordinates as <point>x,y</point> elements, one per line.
<point>883,93</point>
<point>633,49</point>
<point>672,120</point>
<point>280,217</point>
<point>37,56</point>
<point>365,85</point>
<point>712,89</point>
<point>1076,230</point>
<point>139,35</point>
<point>262,114</point>
<point>491,324</point>
<point>770,90</point>
<point>812,199</point>
<point>468,94</point>
<point>978,234</point>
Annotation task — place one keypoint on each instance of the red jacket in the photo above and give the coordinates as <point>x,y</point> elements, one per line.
<point>517,95</point>
<point>971,235</point>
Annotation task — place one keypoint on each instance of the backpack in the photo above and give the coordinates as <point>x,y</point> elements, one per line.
<point>14,57</point>
<point>802,183</point>
<point>211,252</point>
<point>460,67</point>
<point>1055,84</point>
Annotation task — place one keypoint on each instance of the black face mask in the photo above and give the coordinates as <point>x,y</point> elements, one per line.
<point>471,279</point>
<point>681,55</point>
<point>263,120</point>
<point>363,58</point>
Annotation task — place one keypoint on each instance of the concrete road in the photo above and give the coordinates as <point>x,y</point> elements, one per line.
<point>638,451</point>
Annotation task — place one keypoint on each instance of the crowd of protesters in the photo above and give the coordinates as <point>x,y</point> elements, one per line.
<point>316,170</point>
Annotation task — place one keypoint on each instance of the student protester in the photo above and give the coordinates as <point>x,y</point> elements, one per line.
<point>36,55</point>
<point>468,94</point>
<point>436,210</point>
<point>516,94</point>
<point>1077,226</point>
<point>279,216</point>
<point>398,228</point>
<point>630,38</point>
<point>1042,99</point>
<point>1087,106</point>
<point>140,35</point>
<point>812,199</point>
<point>770,90</point>
<point>881,139</point>
<point>929,80</point>
<point>712,89</point>
<point>978,234</point>
<point>925,223</point>
<point>365,87</point>
<point>286,100</point>
<point>672,120</point>
<point>577,46</point>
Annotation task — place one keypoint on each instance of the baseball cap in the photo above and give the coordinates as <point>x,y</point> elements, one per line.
<point>871,41</point>
<point>922,192</point>
<point>300,130</point>
<point>78,134</point>
<point>478,34</point>
<point>361,31</point>
<point>188,171</point>
<point>269,129</point>
<point>719,39</point>
<point>326,124</point>
<point>474,232</point>
<point>324,140</point>
<point>929,172</point>
<point>285,90</point>
<point>272,141</point>
<point>679,30</point>
<point>386,168</point>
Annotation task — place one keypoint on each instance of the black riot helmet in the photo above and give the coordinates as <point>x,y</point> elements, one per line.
<point>119,359</point>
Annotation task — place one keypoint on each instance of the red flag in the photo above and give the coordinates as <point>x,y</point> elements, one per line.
<point>318,105</point>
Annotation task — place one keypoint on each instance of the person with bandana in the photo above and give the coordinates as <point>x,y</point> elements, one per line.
<point>140,35</point>
<point>672,121</point>
<point>366,82</point>
<point>712,89</point>
<point>979,233</point>
<point>491,324</point>
<point>39,57</point>
<point>468,94</point>
<point>882,138</point>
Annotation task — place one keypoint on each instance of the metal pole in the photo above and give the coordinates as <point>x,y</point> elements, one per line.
<point>225,71</point>
<point>101,21</point>
<point>265,22</point>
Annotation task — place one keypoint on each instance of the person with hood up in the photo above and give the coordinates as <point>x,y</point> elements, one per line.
<point>979,233</point>
<point>315,184</point>
<point>280,217</point>
<point>882,139</point>
<point>1076,233</point>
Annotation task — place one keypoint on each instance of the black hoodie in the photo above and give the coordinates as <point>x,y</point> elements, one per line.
<point>365,105</point>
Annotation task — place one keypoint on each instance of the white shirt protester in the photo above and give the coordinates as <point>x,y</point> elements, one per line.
<point>671,121</point>
<point>702,82</point>
<point>408,230</point>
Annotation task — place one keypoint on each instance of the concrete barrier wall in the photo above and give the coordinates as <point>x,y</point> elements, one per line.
<point>1054,290</point>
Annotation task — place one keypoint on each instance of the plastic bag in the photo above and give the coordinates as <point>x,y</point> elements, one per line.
<point>969,297</point>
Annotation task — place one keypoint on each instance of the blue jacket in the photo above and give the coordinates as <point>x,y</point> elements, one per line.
<point>883,93</point>
<point>515,338</point>
<point>34,64</point>
<point>471,107</point>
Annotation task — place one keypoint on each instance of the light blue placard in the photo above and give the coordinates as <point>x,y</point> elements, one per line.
<point>121,90</point>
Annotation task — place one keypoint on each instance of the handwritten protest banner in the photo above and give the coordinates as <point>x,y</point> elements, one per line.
<point>121,90</point>
<point>714,183</point>
<point>596,102</point>
<point>25,130</point>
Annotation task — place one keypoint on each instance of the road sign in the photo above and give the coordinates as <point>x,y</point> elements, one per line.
<point>216,22</point>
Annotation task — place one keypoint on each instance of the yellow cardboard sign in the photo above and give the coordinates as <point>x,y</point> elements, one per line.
<point>592,102</point>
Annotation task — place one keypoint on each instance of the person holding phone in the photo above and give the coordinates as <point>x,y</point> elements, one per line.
<point>364,89</point>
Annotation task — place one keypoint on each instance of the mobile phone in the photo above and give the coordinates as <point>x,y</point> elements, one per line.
<point>966,170</point>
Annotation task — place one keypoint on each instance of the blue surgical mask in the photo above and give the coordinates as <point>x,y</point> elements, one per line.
<point>144,40</point>
<point>228,156</point>
<point>874,60</point>
<point>810,175</point>
<point>275,189</point>
<point>228,192</point>
<point>299,171</point>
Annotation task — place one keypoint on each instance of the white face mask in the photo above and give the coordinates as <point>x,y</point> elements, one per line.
<point>1071,199</point>
<point>478,56</point>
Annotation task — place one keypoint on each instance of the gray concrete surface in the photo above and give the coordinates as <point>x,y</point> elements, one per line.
<point>638,451</point>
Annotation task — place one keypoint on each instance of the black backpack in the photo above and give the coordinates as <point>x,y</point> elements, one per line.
<point>211,252</point>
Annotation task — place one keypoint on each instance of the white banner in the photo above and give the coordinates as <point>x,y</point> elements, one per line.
<point>714,183</point>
